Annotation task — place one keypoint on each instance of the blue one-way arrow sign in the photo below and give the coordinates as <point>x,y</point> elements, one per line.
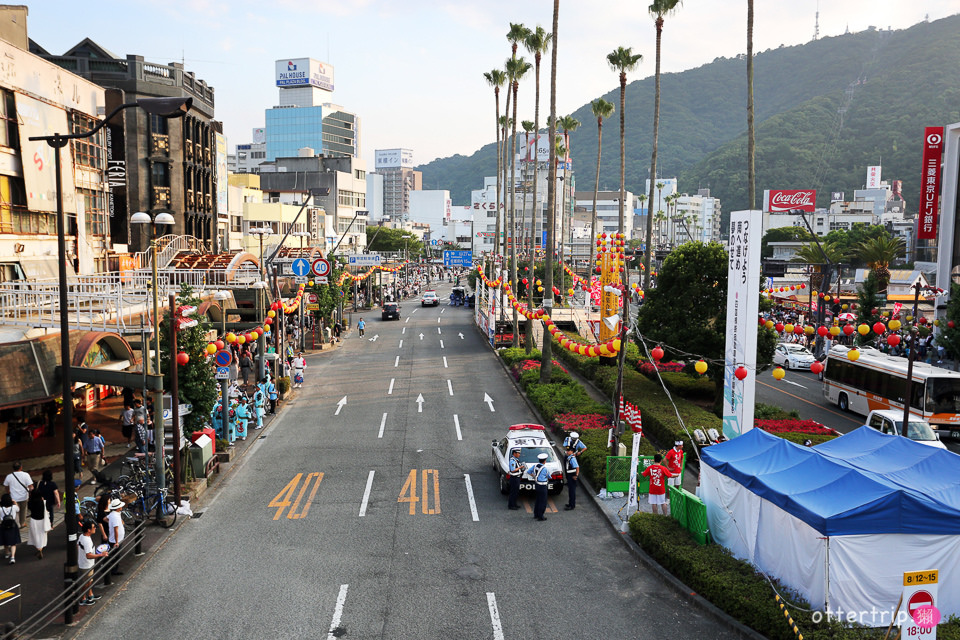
<point>300,267</point>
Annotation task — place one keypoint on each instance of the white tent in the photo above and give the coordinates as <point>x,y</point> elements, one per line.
<point>840,522</point>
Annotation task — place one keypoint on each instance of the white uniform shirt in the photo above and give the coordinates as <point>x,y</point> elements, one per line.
<point>115,521</point>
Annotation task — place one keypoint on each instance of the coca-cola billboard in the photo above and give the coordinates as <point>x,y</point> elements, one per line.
<point>787,200</point>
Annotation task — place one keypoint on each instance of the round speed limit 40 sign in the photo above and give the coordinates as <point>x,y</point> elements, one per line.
<point>321,267</point>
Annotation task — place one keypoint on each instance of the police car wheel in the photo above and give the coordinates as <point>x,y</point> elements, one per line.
<point>504,484</point>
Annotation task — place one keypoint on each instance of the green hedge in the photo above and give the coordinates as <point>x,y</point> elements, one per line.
<point>689,387</point>
<point>735,586</point>
<point>551,399</point>
<point>513,355</point>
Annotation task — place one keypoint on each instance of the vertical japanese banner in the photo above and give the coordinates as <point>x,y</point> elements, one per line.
<point>634,462</point>
<point>743,302</point>
<point>930,183</point>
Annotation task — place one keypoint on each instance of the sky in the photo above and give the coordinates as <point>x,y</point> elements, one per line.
<point>413,69</point>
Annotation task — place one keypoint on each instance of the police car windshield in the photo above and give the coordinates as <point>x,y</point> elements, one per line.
<point>529,454</point>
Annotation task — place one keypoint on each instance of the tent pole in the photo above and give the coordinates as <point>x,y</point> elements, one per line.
<point>826,573</point>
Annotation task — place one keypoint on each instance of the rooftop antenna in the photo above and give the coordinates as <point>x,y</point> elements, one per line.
<point>816,23</point>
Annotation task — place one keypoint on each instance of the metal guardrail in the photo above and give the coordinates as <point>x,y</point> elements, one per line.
<point>69,598</point>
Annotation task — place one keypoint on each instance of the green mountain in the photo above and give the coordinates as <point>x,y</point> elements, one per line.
<point>825,111</point>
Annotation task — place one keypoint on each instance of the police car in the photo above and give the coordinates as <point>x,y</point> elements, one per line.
<point>532,440</point>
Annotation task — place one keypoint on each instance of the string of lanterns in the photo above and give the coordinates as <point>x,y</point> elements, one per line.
<point>346,274</point>
<point>255,333</point>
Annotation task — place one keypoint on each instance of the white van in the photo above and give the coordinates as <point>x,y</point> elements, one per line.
<point>891,422</point>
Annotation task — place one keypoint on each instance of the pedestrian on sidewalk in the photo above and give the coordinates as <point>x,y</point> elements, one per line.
<point>94,450</point>
<point>140,435</point>
<point>19,484</point>
<point>50,492</point>
<point>675,463</point>
<point>39,525</point>
<point>9,531</point>
<point>360,326</point>
<point>299,364</point>
<point>77,457</point>
<point>246,366</point>
<point>126,423</point>
<point>115,530</point>
<point>259,399</point>
<point>272,395</point>
<point>86,559</point>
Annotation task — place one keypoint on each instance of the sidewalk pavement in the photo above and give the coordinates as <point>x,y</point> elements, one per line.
<point>41,581</point>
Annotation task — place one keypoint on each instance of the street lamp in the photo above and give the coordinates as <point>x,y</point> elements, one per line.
<point>163,107</point>
<point>141,217</point>
<point>260,232</point>
<point>914,342</point>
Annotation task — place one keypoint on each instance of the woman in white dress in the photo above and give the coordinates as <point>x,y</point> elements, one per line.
<point>38,522</point>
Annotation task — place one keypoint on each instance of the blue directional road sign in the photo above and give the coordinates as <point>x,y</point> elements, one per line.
<point>458,258</point>
<point>300,267</point>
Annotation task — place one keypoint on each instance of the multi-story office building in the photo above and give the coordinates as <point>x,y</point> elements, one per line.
<point>40,100</point>
<point>431,207</point>
<point>305,117</point>
<point>694,218</point>
<point>248,157</point>
<point>341,183</point>
<point>608,210</point>
<point>170,165</point>
<point>375,197</point>
<point>399,180</point>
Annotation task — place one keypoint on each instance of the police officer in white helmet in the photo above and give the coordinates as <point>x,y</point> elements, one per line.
<point>573,440</point>
<point>542,477</point>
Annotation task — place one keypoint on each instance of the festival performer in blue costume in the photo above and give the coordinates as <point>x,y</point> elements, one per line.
<point>242,415</point>
<point>216,419</point>
<point>259,400</point>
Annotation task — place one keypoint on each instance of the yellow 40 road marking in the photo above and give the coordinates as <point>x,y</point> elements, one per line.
<point>409,491</point>
<point>282,501</point>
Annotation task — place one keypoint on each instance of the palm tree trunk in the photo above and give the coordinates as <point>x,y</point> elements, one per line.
<point>546,353</point>
<point>751,149</point>
<point>596,191</point>
<point>513,217</point>
<point>653,156</point>
<point>528,336</point>
<point>625,312</point>
<point>496,237</point>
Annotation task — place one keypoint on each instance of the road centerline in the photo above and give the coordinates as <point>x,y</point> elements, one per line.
<point>450,386</point>
<point>470,498</point>
<point>338,613</point>
<point>390,390</point>
<point>383,422</point>
<point>456,423</point>
<point>366,493</point>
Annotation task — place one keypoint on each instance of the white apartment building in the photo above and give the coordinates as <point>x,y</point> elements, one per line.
<point>431,207</point>
<point>608,210</point>
<point>694,218</point>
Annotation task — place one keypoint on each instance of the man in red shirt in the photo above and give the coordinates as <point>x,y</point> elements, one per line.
<point>675,463</point>
<point>657,473</point>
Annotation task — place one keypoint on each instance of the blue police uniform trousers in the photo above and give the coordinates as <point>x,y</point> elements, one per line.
<point>572,489</point>
<point>541,504</point>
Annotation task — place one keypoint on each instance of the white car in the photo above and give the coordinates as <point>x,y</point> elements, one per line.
<point>792,356</point>
<point>891,422</point>
<point>429,297</point>
<point>532,440</point>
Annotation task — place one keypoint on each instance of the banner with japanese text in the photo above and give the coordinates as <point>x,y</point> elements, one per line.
<point>930,183</point>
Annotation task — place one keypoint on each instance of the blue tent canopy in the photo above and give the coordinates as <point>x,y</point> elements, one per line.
<point>855,484</point>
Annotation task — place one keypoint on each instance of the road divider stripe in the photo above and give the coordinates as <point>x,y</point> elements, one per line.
<point>401,345</point>
<point>438,319</point>
<point>438,330</point>
<point>338,613</point>
<point>450,386</point>
<point>390,390</point>
<point>473,503</point>
<point>404,329</point>
<point>383,421</point>
<point>494,616</point>
<point>366,494</point>
<point>456,423</point>
<point>441,344</point>
<point>396,362</point>
<point>407,320</point>
<point>445,362</point>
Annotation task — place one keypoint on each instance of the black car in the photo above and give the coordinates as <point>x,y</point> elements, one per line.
<point>390,310</point>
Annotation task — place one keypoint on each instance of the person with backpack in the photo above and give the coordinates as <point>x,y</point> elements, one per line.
<point>9,529</point>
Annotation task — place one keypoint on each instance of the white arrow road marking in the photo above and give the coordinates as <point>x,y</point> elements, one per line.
<point>445,362</point>
<point>338,611</point>
<point>456,423</point>
<point>461,336</point>
<point>401,345</point>
<point>390,390</point>
<point>383,421</point>
<point>441,344</point>
<point>374,338</point>
<point>494,616</point>
<point>420,403</point>
<point>450,387</point>
<point>794,383</point>
<point>421,336</point>
<point>366,494</point>
<point>489,401</point>
<point>473,503</point>
<point>396,362</point>
<point>340,404</point>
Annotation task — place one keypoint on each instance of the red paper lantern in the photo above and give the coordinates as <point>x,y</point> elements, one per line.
<point>874,312</point>
<point>268,321</point>
<point>740,372</point>
<point>878,328</point>
<point>778,327</point>
<point>848,329</point>
<point>182,358</point>
<point>797,329</point>
<point>816,367</point>
<point>803,286</point>
<point>657,354</point>
<point>922,320</point>
<point>893,339</point>
<point>219,344</point>
<point>822,331</point>
<point>951,324</point>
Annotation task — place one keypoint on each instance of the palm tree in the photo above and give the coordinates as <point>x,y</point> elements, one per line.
<point>660,217</point>
<point>546,352</point>
<point>642,198</point>
<point>600,109</point>
<point>658,9</point>
<point>568,124</point>
<point>879,253</point>
<point>536,43</point>
<point>660,187</point>
<point>528,128</point>
<point>516,69</point>
<point>751,141</point>
<point>505,122</point>
<point>819,256</point>
<point>495,79</point>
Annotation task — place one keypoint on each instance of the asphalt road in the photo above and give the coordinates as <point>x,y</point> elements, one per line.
<point>801,390</point>
<point>380,517</point>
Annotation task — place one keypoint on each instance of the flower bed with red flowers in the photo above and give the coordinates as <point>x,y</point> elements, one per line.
<point>575,422</point>
<point>793,425</point>
<point>650,369</point>
<point>526,365</point>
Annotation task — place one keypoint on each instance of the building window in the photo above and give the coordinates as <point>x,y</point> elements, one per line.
<point>159,125</point>
<point>236,224</point>
<point>87,152</point>
<point>95,212</point>
<point>14,216</point>
<point>159,174</point>
<point>8,121</point>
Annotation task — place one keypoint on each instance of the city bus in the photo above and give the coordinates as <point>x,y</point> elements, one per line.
<point>879,381</point>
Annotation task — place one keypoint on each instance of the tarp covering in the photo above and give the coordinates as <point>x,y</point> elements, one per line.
<point>861,483</point>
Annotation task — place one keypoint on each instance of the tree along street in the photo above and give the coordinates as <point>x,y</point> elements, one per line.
<point>384,522</point>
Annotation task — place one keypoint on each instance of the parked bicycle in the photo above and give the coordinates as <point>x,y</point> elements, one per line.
<point>155,501</point>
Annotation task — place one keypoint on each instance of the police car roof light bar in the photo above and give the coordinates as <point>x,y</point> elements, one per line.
<point>524,427</point>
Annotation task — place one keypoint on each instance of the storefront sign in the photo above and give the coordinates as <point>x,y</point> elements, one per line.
<point>930,183</point>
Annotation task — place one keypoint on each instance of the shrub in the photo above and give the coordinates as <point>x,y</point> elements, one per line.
<point>689,387</point>
<point>532,376</point>
<point>581,422</point>
<point>793,425</point>
<point>650,369</point>
<point>551,399</point>
<point>801,438</point>
<point>770,412</point>
<point>283,385</point>
<point>513,355</point>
